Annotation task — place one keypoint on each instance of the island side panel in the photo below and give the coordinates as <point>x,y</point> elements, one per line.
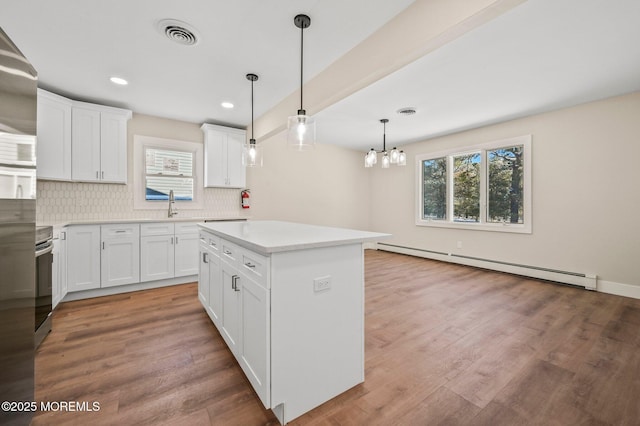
<point>317,337</point>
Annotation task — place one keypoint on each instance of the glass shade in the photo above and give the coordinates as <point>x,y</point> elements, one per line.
<point>367,161</point>
<point>402,159</point>
<point>252,155</point>
<point>301,132</point>
<point>394,155</point>
<point>386,160</point>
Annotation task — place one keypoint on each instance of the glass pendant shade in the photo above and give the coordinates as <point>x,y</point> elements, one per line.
<point>386,160</point>
<point>394,155</point>
<point>301,132</point>
<point>252,154</point>
<point>402,159</point>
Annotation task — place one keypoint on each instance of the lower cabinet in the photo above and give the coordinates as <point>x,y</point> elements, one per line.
<point>120,260</point>
<point>238,304</point>
<point>110,255</point>
<point>168,250</point>
<point>83,257</point>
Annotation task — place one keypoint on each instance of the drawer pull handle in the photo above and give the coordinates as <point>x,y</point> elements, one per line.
<point>227,252</point>
<point>249,265</point>
<point>205,257</point>
<point>234,282</point>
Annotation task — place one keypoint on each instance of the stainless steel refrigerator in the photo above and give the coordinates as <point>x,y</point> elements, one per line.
<point>18,95</point>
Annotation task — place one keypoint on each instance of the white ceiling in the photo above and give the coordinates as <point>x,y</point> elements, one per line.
<point>540,56</point>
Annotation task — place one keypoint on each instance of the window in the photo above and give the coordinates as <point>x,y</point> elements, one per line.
<point>167,170</point>
<point>487,187</point>
<point>162,165</point>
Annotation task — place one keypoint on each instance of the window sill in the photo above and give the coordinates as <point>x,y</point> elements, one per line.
<point>497,227</point>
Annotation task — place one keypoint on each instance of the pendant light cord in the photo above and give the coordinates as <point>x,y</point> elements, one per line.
<point>251,109</point>
<point>301,61</point>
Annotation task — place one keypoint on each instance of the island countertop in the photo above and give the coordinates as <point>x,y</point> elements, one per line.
<point>276,236</point>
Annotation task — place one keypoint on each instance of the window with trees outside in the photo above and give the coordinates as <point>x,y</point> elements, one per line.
<point>485,187</point>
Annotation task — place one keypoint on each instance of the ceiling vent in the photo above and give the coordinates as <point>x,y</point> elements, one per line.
<point>406,111</point>
<point>178,31</point>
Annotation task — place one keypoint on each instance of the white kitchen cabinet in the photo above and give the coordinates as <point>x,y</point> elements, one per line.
<point>237,301</point>
<point>254,334</point>
<point>156,257</point>
<point>223,157</point>
<point>210,281</point>
<point>53,148</point>
<point>168,250</point>
<point>55,275</point>
<point>186,249</point>
<point>99,143</point>
<point>83,257</point>
<point>293,309</point>
<point>203,274</point>
<point>120,259</point>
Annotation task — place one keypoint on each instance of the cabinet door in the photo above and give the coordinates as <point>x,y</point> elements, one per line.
<point>54,137</point>
<point>83,257</point>
<point>85,144</point>
<point>236,172</point>
<point>215,158</point>
<point>186,254</point>
<point>254,348</point>
<point>113,147</point>
<point>120,255</point>
<point>215,306</point>
<point>55,274</point>
<point>156,257</point>
<point>203,277</point>
<point>231,311</point>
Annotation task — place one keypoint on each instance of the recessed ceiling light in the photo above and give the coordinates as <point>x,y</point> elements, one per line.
<point>227,105</point>
<point>118,80</point>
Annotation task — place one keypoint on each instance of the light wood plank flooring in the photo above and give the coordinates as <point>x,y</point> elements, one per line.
<point>445,344</point>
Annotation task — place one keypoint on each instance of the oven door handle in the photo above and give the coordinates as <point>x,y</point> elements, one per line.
<point>45,250</point>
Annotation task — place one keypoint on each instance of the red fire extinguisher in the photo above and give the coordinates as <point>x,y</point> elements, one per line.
<point>244,197</point>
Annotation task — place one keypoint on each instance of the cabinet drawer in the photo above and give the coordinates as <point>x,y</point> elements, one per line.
<point>210,242</point>
<point>254,266</point>
<point>157,228</point>
<point>120,231</point>
<point>229,252</point>
<point>186,227</point>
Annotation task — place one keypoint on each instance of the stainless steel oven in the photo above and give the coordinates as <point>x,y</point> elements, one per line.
<point>44,267</point>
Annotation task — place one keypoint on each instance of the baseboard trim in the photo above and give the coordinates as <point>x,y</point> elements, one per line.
<point>109,291</point>
<point>589,282</point>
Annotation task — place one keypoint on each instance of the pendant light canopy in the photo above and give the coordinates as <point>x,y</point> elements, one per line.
<point>252,153</point>
<point>301,129</point>
<point>394,157</point>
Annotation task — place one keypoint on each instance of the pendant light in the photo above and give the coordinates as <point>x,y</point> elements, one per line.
<point>252,153</point>
<point>301,129</point>
<point>388,158</point>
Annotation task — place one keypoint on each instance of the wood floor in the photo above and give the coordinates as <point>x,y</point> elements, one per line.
<point>445,344</point>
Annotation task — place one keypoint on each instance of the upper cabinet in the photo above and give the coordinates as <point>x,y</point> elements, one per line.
<point>99,143</point>
<point>79,141</point>
<point>223,157</point>
<point>54,136</point>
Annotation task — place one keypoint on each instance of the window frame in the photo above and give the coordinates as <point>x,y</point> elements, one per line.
<point>482,225</point>
<point>140,144</point>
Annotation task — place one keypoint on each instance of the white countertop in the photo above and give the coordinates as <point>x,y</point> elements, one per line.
<point>275,236</point>
<point>143,220</point>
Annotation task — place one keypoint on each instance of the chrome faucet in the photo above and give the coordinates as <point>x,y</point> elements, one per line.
<point>172,208</point>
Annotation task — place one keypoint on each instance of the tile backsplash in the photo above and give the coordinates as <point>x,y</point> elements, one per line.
<point>59,202</point>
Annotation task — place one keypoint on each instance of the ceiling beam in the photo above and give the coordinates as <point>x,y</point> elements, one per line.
<point>423,27</point>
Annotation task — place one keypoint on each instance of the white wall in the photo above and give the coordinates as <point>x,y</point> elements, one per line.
<point>327,186</point>
<point>586,194</point>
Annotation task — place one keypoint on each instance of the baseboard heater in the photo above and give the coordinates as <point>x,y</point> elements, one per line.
<point>588,281</point>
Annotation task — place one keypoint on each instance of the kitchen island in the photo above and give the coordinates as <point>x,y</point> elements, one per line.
<point>288,299</point>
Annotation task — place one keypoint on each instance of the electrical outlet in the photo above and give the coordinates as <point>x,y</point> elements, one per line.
<point>322,283</point>
<point>459,245</point>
